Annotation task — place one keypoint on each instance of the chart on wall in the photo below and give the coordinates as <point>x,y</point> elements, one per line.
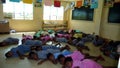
<point>83,13</point>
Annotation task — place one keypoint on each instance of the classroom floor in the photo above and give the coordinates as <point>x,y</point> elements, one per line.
<point>25,63</point>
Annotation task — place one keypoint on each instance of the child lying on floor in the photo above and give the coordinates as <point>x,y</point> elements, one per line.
<point>33,42</point>
<point>19,51</point>
<point>86,63</point>
<point>26,37</point>
<point>60,56</point>
<point>9,41</point>
<point>98,41</point>
<point>77,55</point>
<point>42,51</point>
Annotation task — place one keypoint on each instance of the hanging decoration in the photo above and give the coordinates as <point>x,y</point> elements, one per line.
<point>108,3</point>
<point>79,3</point>
<point>86,3</point>
<point>28,1</point>
<point>70,6</point>
<point>38,3</point>
<point>94,4</point>
<point>48,2</point>
<point>57,3</point>
<point>15,1</point>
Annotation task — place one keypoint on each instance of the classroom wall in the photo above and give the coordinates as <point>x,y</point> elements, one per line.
<point>109,30</point>
<point>1,12</point>
<point>29,25</point>
<point>89,26</point>
<point>100,25</point>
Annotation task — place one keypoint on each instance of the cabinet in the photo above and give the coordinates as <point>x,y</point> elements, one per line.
<point>4,27</point>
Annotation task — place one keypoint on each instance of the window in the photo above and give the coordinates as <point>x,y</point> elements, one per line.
<point>18,10</point>
<point>53,13</point>
<point>83,13</point>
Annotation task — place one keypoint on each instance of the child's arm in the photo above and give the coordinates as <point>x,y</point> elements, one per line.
<point>42,61</point>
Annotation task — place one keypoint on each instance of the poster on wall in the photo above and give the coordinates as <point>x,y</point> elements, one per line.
<point>38,3</point>
<point>108,3</point>
<point>48,2</point>
<point>94,4</point>
<point>79,4</point>
<point>86,3</point>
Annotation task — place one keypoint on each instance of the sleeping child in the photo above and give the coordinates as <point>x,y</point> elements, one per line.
<point>9,41</point>
<point>19,51</point>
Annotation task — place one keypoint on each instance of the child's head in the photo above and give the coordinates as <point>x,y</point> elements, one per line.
<point>33,48</point>
<point>38,48</point>
<point>9,54</point>
<point>67,47</point>
<point>50,56</point>
<point>33,55</point>
<point>61,59</point>
<point>68,62</point>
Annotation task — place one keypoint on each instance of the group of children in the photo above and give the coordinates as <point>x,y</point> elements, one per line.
<point>35,48</point>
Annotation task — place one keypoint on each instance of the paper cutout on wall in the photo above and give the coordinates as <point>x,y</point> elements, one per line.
<point>15,0</point>
<point>94,4</point>
<point>2,1</point>
<point>57,3</point>
<point>48,2</point>
<point>38,3</point>
<point>86,3</point>
<point>108,3</point>
<point>79,4</point>
<point>28,1</point>
<point>68,6</point>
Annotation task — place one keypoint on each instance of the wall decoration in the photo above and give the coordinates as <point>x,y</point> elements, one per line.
<point>48,2</point>
<point>86,3</point>
<point>83,13</point>
<point>38,3</point>
<point>79,3</point>
<point>28,1</point>
<point>57,3</point>
<point>94,4</point>
<point>15,0</point>
<point>108,3</point>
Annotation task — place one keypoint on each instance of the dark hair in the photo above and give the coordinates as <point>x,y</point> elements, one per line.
<point>48,55</point>
<point>7,55</point>
<point>30,54</point>
<point>38,47</point>
<point>68,59</point>
<point>60,56</point>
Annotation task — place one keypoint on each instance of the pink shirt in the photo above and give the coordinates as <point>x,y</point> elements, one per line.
<point>86,63</point>
<point>77,55</point>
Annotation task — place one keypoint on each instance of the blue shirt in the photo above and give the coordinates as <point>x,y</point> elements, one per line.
<point>65,53</point>
<point>21,48</point>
